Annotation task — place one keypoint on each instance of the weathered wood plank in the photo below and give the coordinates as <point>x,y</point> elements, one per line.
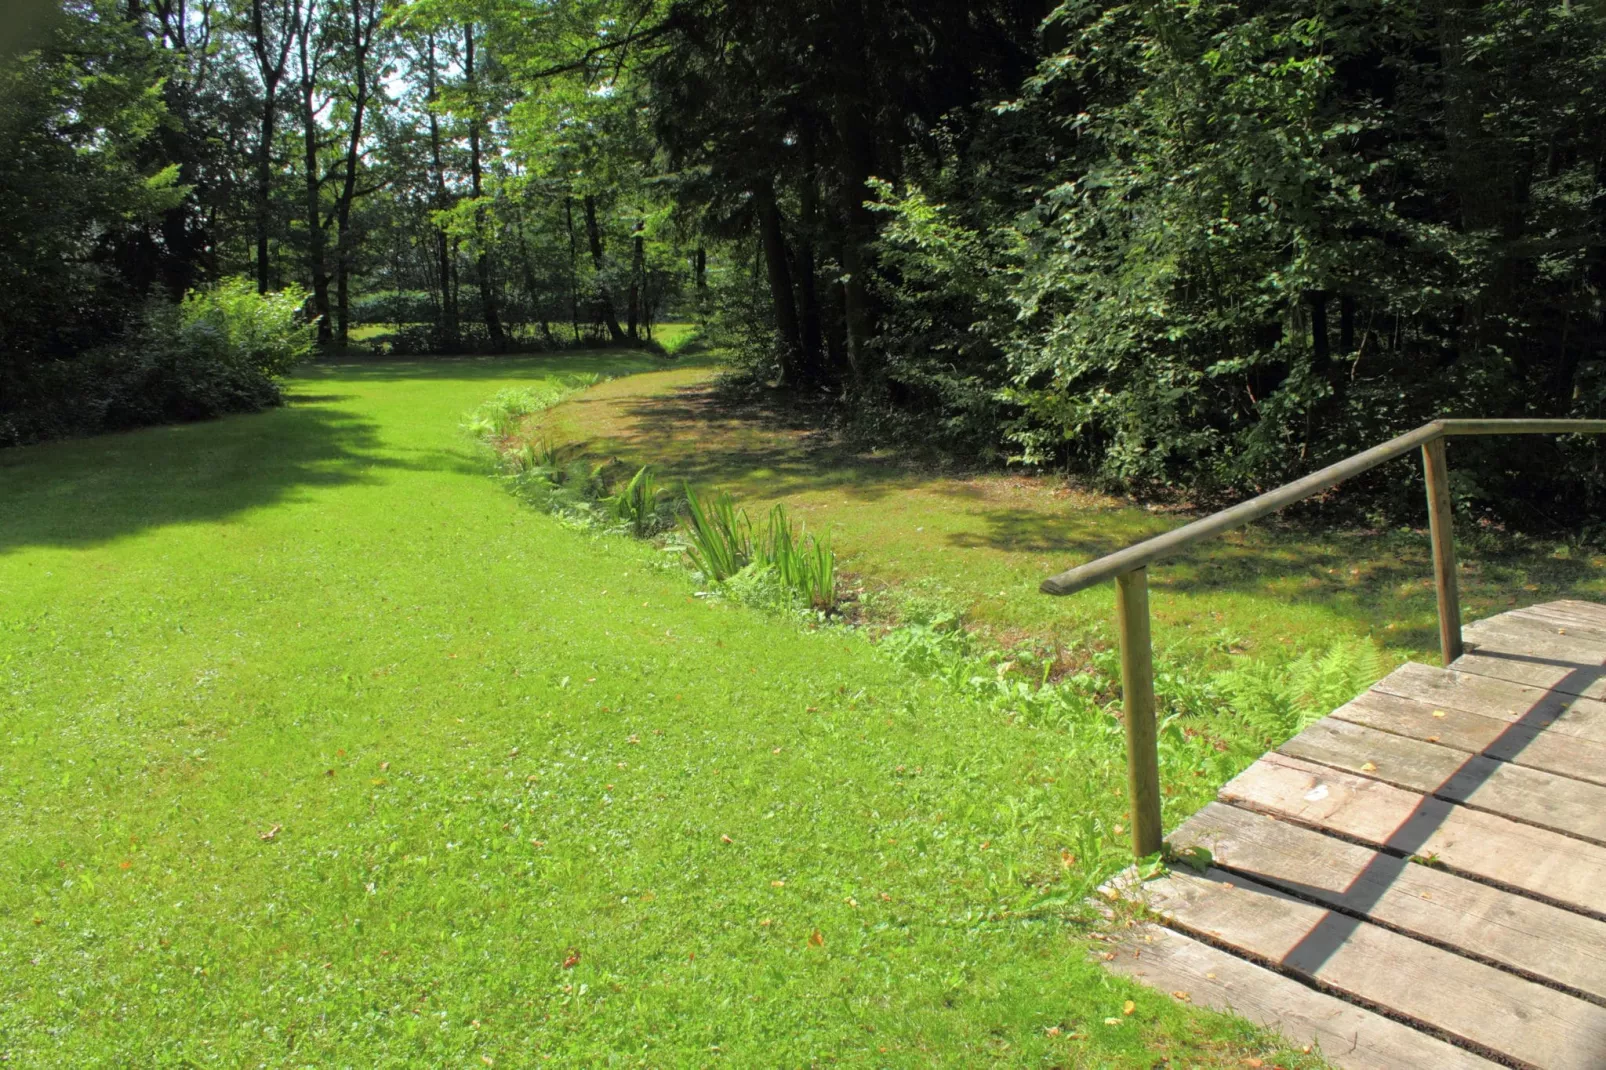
<point>1486,696</point>
<point>1467,999</point>
<point>1539,798</point>
<point>1348,1036</point>
<point>1589,612</point>
<point>1492,660</point>
<point>1543,940</point>
<point>1561,622</point>
<point>1548,864</point>
<point>1522,635</point>
<point>1529,744</point>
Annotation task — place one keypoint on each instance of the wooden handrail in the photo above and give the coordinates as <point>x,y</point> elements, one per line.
<point>1129,568</point>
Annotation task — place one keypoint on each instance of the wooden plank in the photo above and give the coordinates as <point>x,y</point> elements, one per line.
<point>1520,635</point>
<point>1561,622</point>
<point>1469,1000</point>
<point>1493,661</point>
<point>1547,864</point>
<point>1529,744</point>
<point>1348,1036</point>
<point>1448,689</point>
<point>1543,799</point>
<point>1539,939</point>
<point>1589,612</point>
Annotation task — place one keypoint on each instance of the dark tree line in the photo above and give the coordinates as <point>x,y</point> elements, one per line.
<point>1199,245</point>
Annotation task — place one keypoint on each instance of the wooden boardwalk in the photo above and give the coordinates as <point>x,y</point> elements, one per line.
<point>1419,879</point>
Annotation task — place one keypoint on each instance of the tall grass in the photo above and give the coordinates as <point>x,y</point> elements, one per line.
<point>640,505</point>
<point>805,564</point>
<point>721,536</point>
<point>722,545</point>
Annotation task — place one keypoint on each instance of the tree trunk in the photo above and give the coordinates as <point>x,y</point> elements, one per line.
<point>362,37</point>
<point>316,232</point>
<point>594,236</point>
<point>637,259</point>
<point>264,190</point>
<point>770,231</point>
<point>857,135</point>
<point>574,268</point>
<point>270,68</point>
<point>808,294</point>
<point>442,201</point>
<point>493,322</point>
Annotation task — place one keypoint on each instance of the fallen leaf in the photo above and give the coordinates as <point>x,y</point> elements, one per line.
<point>1438,713</point>
<point>777,884</point>
<point>384,766</point>
<point>270,835</point>
<point>816,939</point>
<point>1128,1007</point>
<point>1368,767</point>
<point>725,839</point>
<point>1183,996</point>
<point>1433,739</point>
<point>1112,1021</point>
<point>573,960</point>
<point>487,1060</point>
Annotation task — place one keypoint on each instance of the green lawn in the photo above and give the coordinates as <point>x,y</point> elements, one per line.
<point>317,748</point>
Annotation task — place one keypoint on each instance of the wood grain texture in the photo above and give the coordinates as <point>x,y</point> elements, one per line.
<point>1349,1037</point>
<point>1559,712</point>
<point>1531,743</point>
<point>1547,864</point>
<point>1537,938</point>
<point>1531,795</point>
<point>1467,999</point>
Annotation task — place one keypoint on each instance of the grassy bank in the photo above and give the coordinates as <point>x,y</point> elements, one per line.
<point>318,748</point>
<point>983,541</point>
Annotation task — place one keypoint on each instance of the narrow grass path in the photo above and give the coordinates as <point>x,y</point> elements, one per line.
<point>318,749</point>
<point>985,541</point>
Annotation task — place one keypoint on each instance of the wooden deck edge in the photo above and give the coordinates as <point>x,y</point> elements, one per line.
<point>1345,1033</point>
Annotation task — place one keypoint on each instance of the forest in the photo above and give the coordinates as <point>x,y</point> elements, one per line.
<point>1188,249</point>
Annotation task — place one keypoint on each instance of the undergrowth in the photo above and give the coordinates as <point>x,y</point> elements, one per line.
<point>1212,723</point>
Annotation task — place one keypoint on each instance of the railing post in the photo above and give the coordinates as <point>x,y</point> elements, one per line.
<point>1137,697</point>
<point>1441,525</point>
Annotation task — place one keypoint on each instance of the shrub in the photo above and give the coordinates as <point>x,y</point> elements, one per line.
<point>219,351</point>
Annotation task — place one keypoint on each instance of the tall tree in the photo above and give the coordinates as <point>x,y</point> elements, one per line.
<point>273,28</point>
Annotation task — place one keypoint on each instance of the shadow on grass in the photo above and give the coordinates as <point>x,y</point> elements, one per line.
<point>87,491</point>
<point>762,448</point>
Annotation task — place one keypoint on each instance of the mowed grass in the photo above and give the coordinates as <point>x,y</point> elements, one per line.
<point>984,541</point>
<point>317,748</point>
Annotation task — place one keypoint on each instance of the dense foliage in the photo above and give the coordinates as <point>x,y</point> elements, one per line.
<point>1195,247</point>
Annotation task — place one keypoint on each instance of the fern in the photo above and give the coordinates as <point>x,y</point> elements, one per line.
<point>1279,699</point>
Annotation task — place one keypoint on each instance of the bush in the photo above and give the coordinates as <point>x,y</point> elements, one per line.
<point>395,306</point>
<point>221,350</point>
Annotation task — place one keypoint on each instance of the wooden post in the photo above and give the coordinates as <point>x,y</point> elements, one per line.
<point>1440,524</point>
<point>1137,696</point>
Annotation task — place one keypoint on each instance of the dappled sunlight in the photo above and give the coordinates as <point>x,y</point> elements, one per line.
<point>987,539</point>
